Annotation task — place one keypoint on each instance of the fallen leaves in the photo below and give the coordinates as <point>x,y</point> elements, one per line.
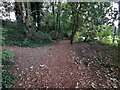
<point>77,86</point>
<point>42,66</point>
<point>93,85</point>
<point>31,67</point>
<point>54,66</point>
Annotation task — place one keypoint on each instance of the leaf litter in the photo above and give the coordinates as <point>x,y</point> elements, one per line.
<point>64,65</point>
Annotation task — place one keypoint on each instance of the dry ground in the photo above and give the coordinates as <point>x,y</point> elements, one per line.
<point>62,65</point>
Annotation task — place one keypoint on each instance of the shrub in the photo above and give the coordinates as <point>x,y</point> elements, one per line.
<point>5,60</point>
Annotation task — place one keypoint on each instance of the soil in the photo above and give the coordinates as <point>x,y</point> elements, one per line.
<point>62,65</point>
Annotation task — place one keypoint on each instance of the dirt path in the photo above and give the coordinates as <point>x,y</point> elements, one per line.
<point>54,67</point>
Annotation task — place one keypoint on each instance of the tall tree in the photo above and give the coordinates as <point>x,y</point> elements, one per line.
<point>22,15</point>
<point>119,33</point>
<point>37,13</point>
<point>75,19</point>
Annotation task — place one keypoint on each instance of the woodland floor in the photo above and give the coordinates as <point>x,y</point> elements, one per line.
<point>62,65</point>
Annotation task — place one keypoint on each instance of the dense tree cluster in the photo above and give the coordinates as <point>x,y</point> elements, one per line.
<point>86,21</point>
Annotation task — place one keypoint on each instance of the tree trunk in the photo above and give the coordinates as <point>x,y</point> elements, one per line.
<point>58,26</point>
<point>22,16</point>
<point>37,13</point>
<point>75,17</point>
<point>19,16</point>
<point>114,34</point>
<point>119,34</point>
<point>18,12</point>
<point>59,18</point>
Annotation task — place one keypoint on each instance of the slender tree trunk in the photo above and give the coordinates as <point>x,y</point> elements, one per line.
<point>59,27</point>
<point>75,18</point>
<point>53,7</point>
<point>57,24</point>
<point>18,11</point>
<point>114,33</point>
<point>73,25</point>
<point>53,11</point>
<point>119,34</point>
<point>57,21</point>
<point>38,21</point>
<point>37,13</point>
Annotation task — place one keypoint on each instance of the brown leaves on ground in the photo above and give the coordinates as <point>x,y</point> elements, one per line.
<point>62,65</point>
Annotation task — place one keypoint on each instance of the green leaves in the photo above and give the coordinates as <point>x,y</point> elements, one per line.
<point>104,34</point>
<point>7,79</point>
<point>6,54</point>
<point>5,60</point>
<point>56,20</point>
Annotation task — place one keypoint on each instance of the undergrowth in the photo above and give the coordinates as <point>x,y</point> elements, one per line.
<point>13,37</point>
<point>6,62</point>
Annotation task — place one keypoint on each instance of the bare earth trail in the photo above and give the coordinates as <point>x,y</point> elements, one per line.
<point>54,66</point>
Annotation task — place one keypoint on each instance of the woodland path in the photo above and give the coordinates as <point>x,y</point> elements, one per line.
<point>54,66</point>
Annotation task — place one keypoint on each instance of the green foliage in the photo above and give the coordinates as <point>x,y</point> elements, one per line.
<point>6,61</point>
<point>33,43</point>
<point>53,21</point>
<point>14,37</point>
<point>6,54</point>
<point>104,34</point>
<point>1,37</point>
<point>7,79</point>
